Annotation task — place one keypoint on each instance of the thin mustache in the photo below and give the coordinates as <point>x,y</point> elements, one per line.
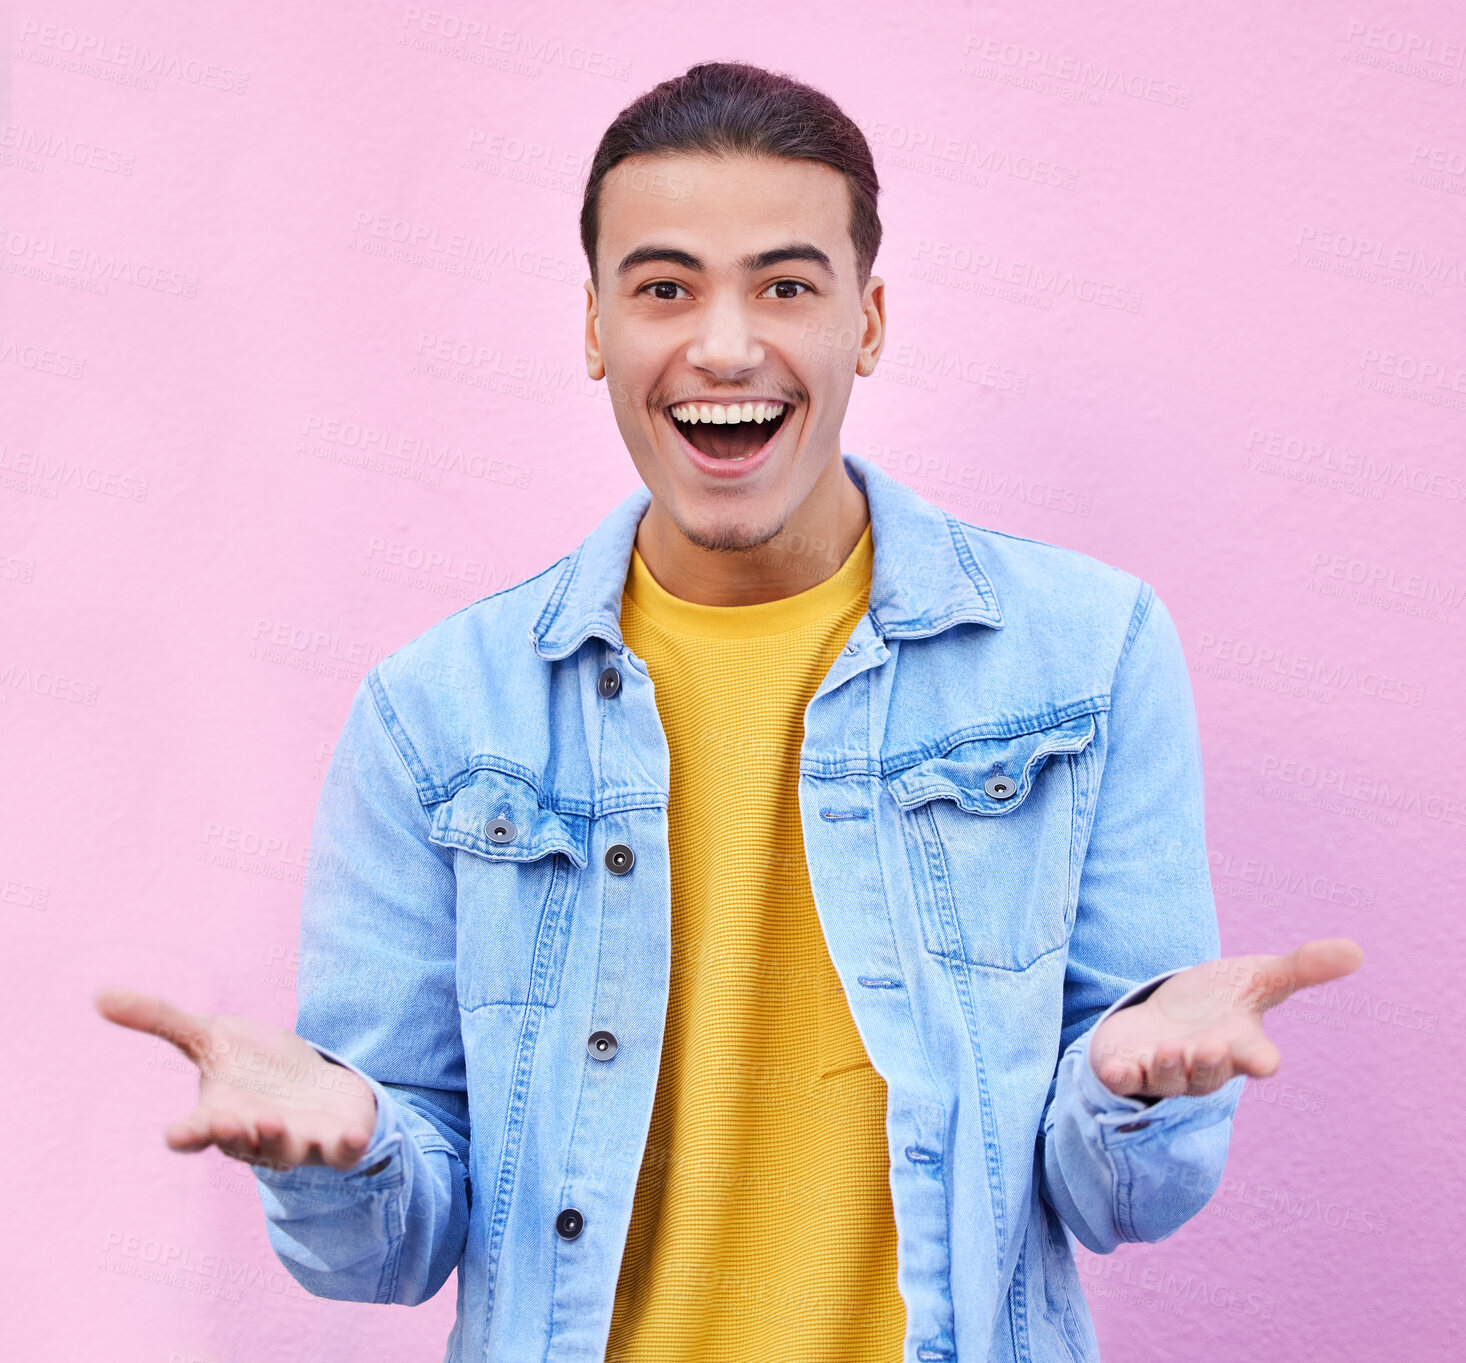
<point>793,399</point>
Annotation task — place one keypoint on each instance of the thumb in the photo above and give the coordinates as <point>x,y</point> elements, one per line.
<point>1315,962</point>
<point>149,1013</point>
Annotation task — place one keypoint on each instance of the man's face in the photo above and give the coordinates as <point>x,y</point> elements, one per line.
<point>728,290</point>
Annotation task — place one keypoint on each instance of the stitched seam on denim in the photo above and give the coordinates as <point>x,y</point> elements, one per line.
<point>427,1149</point>
<point>394,1206</point>
<point>961,957</point>
<point>1020,726</point>
<point>1138,616</point>
<point>548,909</point>
<point>949,1322</point>
<point>962,984</point>
<point>469,842</point>
<point>509,1161</point>
<point>973,568</point>
<point>397,736</point>
<point>544,981</point>
<point>1018,1302</point>
<point>937,787</point>
<point>1071,1334</point>
<point>941,922</point>
<point>1084,827</point>
<point>1074,821</point>
<point>1123,1193</point>
<point>923,627</point>
<point>545,622</point>
<point>555,1316</point>
<point>616,803</point>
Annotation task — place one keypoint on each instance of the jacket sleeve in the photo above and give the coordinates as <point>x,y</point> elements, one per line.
<point>1120,1168</point>
<point>377,994</point>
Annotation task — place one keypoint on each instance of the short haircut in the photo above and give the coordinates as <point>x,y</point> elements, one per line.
<point>730,109</point>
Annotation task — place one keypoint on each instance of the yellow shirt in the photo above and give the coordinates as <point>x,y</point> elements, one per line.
<point>762,1228</point>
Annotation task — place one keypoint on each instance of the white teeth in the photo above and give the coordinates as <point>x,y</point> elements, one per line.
<point>718,415</point>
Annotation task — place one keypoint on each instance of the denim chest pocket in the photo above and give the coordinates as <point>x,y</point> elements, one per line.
<point>517,864</point>
<point>991,831</point>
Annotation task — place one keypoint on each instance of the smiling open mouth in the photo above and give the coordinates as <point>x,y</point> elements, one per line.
<point>734,430</point>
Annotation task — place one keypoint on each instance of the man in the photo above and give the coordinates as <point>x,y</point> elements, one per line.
<point>775,928</point>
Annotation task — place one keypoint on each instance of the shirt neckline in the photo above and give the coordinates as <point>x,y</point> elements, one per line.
<point>758,619</point>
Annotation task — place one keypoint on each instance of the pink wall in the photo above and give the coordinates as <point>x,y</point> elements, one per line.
<point>1234,362</point>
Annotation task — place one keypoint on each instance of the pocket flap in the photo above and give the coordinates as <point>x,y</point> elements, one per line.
<point>500,817</point>
<point>963,775</point>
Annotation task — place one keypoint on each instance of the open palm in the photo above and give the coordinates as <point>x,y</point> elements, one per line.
<point>265,1095</point>
<point>1203,1026</point>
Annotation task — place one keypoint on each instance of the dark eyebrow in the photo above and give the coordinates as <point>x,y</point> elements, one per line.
<point>645,255</point>
<point>799,251</point>
<point>670,255</point>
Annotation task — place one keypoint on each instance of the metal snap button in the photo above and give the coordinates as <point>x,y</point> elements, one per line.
<point>609,682</point>
<point>619,859</point>
<point>1133,1126</point>
<point>601,1045</point>
<point>1000,787</point>
<point>500,830</point>
<point>569,1223</point>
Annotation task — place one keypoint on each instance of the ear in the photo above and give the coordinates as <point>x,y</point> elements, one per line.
<point>595,364</point>
<point>873,337</point>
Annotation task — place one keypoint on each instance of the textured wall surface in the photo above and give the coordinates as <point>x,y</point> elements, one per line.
<point>290,359</point>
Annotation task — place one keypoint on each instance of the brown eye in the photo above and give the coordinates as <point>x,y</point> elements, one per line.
<point>787,288</point>
<point>665,289</point>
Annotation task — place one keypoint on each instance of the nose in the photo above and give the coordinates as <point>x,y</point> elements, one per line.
<point>725,345</point>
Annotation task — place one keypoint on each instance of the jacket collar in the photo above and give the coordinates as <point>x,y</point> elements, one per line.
<point>924,580</point>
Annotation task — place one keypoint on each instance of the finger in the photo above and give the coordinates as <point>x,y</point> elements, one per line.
<point>1210,1067</point>
<point>203,1127</point>
<point>236,1137</point>
<point>278,1148</point>
<point>1256,1056</point>
<point>189,1135</point>
<point>347,1149</point>
<point>1168,1070</point>
<point>1315,962</point>
<point>1121,1077</point>
<point>1324,959</point>
<point>156,1016</point>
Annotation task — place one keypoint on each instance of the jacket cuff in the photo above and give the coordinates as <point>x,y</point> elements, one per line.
<point>386,1140</point>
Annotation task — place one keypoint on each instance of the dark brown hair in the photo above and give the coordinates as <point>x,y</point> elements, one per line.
<point>732,108</point>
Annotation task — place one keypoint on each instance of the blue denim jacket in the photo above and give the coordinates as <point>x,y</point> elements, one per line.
<point>1000,791</point>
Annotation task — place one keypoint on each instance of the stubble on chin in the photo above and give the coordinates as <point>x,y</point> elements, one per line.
<point>729,539</point>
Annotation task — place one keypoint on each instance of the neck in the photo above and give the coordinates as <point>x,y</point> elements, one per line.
<point>814,542</point>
